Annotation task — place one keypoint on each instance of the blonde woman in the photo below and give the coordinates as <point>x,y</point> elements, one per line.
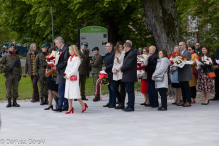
<point>144,84</point>
<point>174,79</point>
<point>117,75</point>
<point>72,89</point>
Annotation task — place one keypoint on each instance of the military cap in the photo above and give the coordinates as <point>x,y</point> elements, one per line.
<point>84,44</point>
<point>95,48</point>
<point>44,45</point>
<point>11,44</point>
<point>139,48</point>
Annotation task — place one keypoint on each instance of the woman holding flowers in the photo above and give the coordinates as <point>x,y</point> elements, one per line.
<point>193,82</point>
<point>143,76</point>
<point>205,84</point>
<point>174,79</point>
<point>51,83</point>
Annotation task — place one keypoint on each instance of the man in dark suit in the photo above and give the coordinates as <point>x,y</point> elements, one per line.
<point>109,60</point>
<point>61,66</point>
<point>150,68</point>
<point>130,42</point>
<point>216,79</point>
<point>83,68</point>
<point>129,77</point>
<point>184,76</point>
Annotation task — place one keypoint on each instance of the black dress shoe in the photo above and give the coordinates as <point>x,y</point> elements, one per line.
<point>112,106</point>
<point>174,103</point>
<point>75,100</point>
<point>120,106</point>
<point>143,104</point>
<point>213,99</point>
<point>64,109</point>
<point>162,109</point>
<point>153,106</point>
<point>117,102</point>
<point>107,105</point>
<point>128,109</point>
<point>57,110</point>
<point>84,98</point>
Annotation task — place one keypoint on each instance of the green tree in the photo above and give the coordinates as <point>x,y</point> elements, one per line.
<point>31,19</point>
<point>207,12</point>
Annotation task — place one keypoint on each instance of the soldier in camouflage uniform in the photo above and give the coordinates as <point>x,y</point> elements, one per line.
<point>13,78</point>
<point>96,66</point>
<point>40,65</point>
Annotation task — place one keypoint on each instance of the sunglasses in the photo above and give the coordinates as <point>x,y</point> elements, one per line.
<point>190,49</point>
<point>196,45</point>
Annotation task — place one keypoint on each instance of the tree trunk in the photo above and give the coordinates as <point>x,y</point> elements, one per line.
<point>162,21</point>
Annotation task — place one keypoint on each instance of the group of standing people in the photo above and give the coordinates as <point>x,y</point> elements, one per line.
<point>62,82</point>
<point>193,76</point>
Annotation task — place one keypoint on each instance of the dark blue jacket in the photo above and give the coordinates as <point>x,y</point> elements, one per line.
<point>61,66</point>
<point>109,60</point>
<point>135,52</point>
<point>129,67</point>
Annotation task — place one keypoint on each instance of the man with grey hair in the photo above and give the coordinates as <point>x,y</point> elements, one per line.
<point>150,69</point>
<point>130,42</point>
<point>129,76</point>
<point>29,69</point>
<point>184,76</point>
<point>61,66</point>
<point>198,50</point>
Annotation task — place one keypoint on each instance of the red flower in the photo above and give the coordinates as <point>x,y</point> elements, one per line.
<point>209,62</point>
<point>51,58</point>
<point>64,74</point>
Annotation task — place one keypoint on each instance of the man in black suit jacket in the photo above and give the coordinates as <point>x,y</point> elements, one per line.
<point>109,60</point>
<point>61,66</point>
<point>150,68</point>
<point>216,79</point>
<point>129,70</point>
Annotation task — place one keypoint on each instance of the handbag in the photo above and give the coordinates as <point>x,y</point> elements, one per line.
<point>160,78</point>
<point>195,72</point>
<point>211,75</point>
<point>53,78</point>
<point>73,78</point>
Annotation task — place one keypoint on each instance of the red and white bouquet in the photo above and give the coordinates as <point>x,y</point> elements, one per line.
<point>142,61</point>
<point>103,79</point>
<point>177,60</point>
<point>53,58</point>
<point>205,61</point>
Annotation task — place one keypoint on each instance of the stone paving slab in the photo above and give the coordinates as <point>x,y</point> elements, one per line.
<point>98,126</point>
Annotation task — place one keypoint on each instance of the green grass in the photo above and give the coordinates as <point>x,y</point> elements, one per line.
<point>24,58</point>
<point>25,89</point>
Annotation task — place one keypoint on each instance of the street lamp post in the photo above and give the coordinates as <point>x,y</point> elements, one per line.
<point>51,4</point>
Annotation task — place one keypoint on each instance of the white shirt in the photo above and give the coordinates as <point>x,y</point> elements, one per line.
<point>62,47</point>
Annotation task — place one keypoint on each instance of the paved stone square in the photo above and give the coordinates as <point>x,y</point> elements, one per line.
<point>179,126</point>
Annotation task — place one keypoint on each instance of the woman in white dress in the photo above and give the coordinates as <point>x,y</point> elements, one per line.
<point>72,89</point>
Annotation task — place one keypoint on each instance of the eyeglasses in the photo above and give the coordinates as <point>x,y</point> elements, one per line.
<point>144,51</point>
<point>190,49</point>
<point>196,45</point>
